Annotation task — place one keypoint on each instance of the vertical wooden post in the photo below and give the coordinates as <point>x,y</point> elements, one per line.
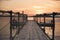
<point>26,17</point>
<point>18,19</point>
<point>18,24</point>
<point>53,28</point>
<point>37,19</point>
<point>44,22</point>
<point>23,16</point>
<point>40,19</point>
<point>11,38</point>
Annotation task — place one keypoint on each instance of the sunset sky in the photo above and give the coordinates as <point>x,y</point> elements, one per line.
<point>31,6</point>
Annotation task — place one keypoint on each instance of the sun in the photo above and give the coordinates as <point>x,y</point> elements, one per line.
<point>39,11</point>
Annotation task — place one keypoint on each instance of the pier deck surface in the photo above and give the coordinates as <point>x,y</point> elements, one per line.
<point>31,31</point>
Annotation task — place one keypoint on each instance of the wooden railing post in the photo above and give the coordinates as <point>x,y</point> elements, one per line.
<point>18,24</point>
<point>44,22</point>
<point>40,19</point>
<point>11,38</point>
<point>53,28</point>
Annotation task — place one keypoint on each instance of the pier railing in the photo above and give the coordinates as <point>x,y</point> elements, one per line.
<point>17,21</point>
<point>47,24</point>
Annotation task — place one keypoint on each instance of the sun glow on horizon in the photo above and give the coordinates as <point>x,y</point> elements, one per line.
<point>39,11</point>
<point>37,7</point>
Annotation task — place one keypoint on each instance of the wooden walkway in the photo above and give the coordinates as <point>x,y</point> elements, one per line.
<point>31,31</point>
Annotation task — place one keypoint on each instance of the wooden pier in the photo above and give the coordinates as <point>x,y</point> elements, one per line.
<point>31,31</point>
<point>26,29</point>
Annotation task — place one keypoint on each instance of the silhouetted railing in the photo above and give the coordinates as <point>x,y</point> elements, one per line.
<point>45,24</point>
<point>17,21</point>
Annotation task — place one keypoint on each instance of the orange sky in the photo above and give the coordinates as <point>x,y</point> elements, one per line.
<point>31,6</point>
